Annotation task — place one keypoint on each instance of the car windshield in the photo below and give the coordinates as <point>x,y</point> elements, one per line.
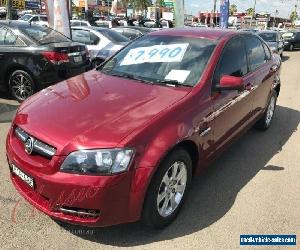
<point>163,60</point>
<point>26,17</point>
<point>113,36</point>
<point>268,37</point>
<point>43,35</point>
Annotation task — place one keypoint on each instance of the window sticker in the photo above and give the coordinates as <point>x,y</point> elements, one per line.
<point>179,75</point>
<point>156,53</point>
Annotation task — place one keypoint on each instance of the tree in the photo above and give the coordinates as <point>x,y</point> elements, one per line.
<point>250,11</point>
<point>232,9</point>
<point>125,4</point>
<point>141,4</point>
<point>293,16</point>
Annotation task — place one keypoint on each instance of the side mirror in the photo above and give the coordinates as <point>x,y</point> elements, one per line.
<point>230,83</point>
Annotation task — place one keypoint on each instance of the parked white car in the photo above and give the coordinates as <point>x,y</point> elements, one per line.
<point>36,19</point>
<point>80,23</point>
<point>100,42</point>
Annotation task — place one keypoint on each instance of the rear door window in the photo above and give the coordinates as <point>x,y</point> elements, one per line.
<point>2,35</point>
<point>84,36</point>
<point>10,39</point>
<point>233,60</point>
<point>255,52</point>
<point>267,51</point>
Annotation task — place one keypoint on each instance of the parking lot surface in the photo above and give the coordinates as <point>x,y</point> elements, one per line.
<point>253,188</point>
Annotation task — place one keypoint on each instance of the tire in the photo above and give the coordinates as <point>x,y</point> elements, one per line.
<point>158,212</point>
<point>291,47</point>
<point>281,55</point>
<point>265,122</point>
<point>21,85</point>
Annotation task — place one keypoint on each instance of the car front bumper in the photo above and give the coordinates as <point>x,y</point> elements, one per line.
<point>78,199</point>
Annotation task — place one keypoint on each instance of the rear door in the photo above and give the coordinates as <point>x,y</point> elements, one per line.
<point>12,48</point>
<point>232,108</point>
<point>2,53</point>
<point>262,70</point>
<point>297,40</point>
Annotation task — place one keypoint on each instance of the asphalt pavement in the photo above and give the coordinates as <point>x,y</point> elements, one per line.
<point>253,188</point>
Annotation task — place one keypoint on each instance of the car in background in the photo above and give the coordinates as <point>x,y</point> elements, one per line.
<point>80,23</point>
<point>2,12</point>
<point>104,24</point>
<point>100,42</point>
<point>147,120</point>
<point>33,57</point>
<point>291,39</point>
<point>133,32</point>
<point>35,19</point>
<point>250,30</point>
<point>274,40</point>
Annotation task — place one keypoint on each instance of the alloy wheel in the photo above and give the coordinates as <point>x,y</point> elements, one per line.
<point>21,86</point>
<point>172,188</point>
<point>270,111</point>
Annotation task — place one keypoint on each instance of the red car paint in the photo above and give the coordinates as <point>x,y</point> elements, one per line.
<point>88,112</point>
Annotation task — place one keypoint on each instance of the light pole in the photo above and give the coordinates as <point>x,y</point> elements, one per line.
<point>179,13</point>
<point>274,21</point>
<point>254,6</point>
<point>8,9</point>
<point>214,14</point>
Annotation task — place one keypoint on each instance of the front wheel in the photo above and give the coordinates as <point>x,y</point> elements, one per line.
<point>21,85</point>
<point>265,122</point>
<point>168,189</point>
<point>291,47</point>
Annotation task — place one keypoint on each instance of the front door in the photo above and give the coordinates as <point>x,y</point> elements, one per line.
<point>232,108</point>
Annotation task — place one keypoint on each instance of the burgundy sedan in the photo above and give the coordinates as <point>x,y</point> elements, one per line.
<point>121,143</point>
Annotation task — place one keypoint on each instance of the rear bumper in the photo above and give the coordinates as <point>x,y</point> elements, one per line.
<point>53,74</point>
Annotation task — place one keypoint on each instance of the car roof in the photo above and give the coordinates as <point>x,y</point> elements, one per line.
<point>267,31</point>
<point>212,34</point>
<point>90,28</point>
<point>16,23</point>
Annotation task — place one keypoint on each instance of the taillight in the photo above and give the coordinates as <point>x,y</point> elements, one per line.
<point>56,57</point>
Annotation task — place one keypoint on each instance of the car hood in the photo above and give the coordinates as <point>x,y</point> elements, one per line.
<point>93,110</point>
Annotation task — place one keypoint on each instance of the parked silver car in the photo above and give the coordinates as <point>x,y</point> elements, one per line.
<point>274,40</point>
<point>101,42</point>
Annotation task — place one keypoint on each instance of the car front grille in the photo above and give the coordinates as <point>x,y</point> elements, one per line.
<point>38,146</point>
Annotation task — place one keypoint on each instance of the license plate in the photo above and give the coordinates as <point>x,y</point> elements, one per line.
<point>77,59</point>
<point>27,179</point>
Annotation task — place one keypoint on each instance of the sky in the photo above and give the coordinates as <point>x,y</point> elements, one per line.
<point>284,7</point>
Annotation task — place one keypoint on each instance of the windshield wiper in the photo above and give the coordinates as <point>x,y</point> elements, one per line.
<point>172,83</point>
<point>130,76</point>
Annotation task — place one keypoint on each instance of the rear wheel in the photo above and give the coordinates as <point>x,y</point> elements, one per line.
<point>265,122</point>
<point>21,85</point>
<point>168,189</point>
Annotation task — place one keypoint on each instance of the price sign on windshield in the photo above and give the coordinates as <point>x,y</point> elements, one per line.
<point>156,53</point>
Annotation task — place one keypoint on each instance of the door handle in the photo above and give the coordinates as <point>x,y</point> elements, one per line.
<point>205,131</point>
<point>273,68</point>
<point>249,86</point>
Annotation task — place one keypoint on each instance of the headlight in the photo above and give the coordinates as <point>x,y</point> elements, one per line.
<point>98,162</point>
